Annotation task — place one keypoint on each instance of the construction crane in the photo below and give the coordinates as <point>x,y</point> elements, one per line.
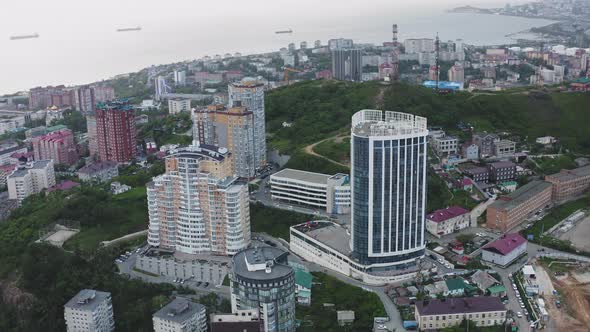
<point>289,70</point>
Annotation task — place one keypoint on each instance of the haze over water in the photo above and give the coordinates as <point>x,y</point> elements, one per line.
<point>78,42</point>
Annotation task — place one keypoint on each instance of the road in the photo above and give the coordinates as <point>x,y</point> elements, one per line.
<point>309,150</point>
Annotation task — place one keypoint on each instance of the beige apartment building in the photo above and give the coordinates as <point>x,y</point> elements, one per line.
<point>232,128</point>
<point>30,179</point>
<point>509,211</point>
<point>569,184</point>
<point>198,206</point>
<point>439,314</point>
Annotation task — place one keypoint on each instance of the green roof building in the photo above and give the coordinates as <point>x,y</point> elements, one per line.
<point>456,286</point>
<point>303,281</point>
<point>497,290</point>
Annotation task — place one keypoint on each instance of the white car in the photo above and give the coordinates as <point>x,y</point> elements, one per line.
<point>519,314</point>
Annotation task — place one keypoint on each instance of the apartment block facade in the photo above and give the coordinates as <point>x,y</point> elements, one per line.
<point>439,314</point>
<point>509,211</point>
<point>30,179</point>
<point>198,206</point>
<point>58,146</point>
<point>249,93</point>
<point>181,315</point>
<point>447,221</point>
<point>569,184</point>
<point>115,131</point>
<point>178,105</point>
<point>232,128</point>
<point>89,311</point>
<point>445,145</point>
<point>502,171</point>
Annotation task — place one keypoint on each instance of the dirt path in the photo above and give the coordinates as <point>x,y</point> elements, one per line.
<point>309,149</point>
<point>577,297</point>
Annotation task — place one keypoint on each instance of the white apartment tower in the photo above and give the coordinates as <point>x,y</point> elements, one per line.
<point>89,311</point>
<point>30,179</point>
<point>198,206</point>
<point>250,94</point>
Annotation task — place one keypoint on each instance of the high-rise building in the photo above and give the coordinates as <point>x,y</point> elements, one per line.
<point>250,94</point>
<point>179,77</point>
<point>86,97</point>
<point>30,179</point>
<point>43,97</point>
<point>421,45</point>
<point>92,135</point>
<point>198,206</point>
<point>89,311</point>
<point>262,279</point>
<point>388,177</point>
<point>232,128</point>
<point>340,43</point>
<point>115,131</point>
<point>161,88</point>
<point>58,146</point>
<point>347,65</point>
<point>457,74</point>
<point>178,105</point>
<point>181,315</point>
<point>317,44</point>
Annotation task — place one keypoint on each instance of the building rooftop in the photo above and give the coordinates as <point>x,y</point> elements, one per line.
<point>459,305</point>
<point>367,123</point>
<point>261,263</point>
<point>328,233</point>
<point>521,195</point>
<point>302,176</point>
<point>117,105</point>
<point>496,289</point>
<point>64,185</point>
<point>502,164</point>
<point>303,278</point>
<point>476,170</point>
<point>199,151</point>
<point>484,279</point>
<point>446,214</point>
<point>87,299</point>
<point>179,310</point>
<point>11,149</point>
<point>505,244</point>
<point>97,167</point>
<point>455,284</point>
<point>568,175</point>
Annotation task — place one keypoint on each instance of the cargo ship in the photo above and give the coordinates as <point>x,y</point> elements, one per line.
<point>284,31</point>
<point>129,29</point>
<point>35,35</point>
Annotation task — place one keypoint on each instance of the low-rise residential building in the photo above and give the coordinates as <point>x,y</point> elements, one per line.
<point>178,105</point>
<point>496,290</point>
<point>181,315</point>
<point>445,145</point>
<point>455,286</point>
<point>439,314</point>
<point>504,250</point>
<point>30,179</point>
<point>89,311</point>
<point>471,152</point>
<point>478,174</point>
<point>447,221</point>
<point>5,171</point>
<point>100,171</point>
<point>486,143</point>
<point>345,317</point>
<point>502,171</point>
<point>119,188</point>
<point>8,149</point>
<point>511,210</point>
<point>504,148</point>
<point>483,280</point>
<point>327,192</point>
<point>241,321</point>
<point>303,280</point>
<point>545,140</point>
<point>569,184</point>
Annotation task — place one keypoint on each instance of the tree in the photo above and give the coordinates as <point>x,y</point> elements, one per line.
<point>465,238</point>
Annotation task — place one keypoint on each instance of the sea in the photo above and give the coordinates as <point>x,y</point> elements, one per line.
<point>79,44</point>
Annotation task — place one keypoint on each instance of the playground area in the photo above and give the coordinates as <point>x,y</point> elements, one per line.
<point>58,235</point>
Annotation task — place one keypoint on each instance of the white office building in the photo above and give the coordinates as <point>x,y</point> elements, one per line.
<point>445,145</point>
<point>179,77</point>
<point>89,311</point>
<point>30,179</point>
<point>327,192</point>
<point>420,45</point>
<point>178,105</point>
<point>181,315</point>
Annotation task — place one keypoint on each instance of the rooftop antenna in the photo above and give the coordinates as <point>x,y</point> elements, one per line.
<point>436,56</point>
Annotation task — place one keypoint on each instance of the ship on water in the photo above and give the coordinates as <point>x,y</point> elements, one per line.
<point>129,29</point>
<point>35,35</point>
<point>284,31</point>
